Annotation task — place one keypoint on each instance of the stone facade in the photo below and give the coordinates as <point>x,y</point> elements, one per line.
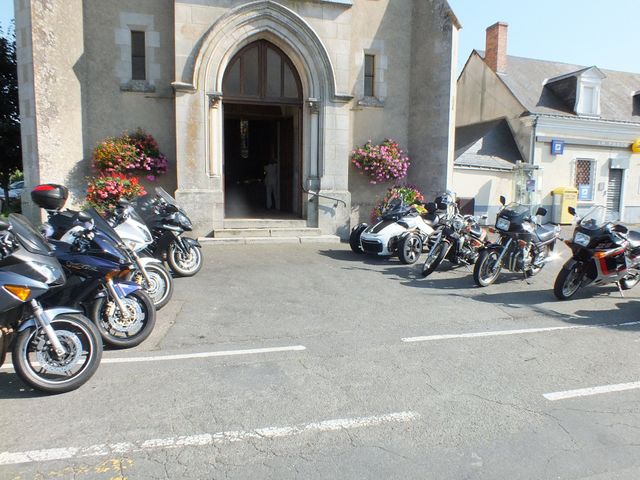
<point>76,89</point>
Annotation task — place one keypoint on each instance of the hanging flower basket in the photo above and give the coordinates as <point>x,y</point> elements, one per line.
<point>382,163</point>
<point>130,153</point>
<point>104,192</point>
<point>409,194</point>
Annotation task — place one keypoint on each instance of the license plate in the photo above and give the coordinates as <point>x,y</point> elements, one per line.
<point>502,224</point>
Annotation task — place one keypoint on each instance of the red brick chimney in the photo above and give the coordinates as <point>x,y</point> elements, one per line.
<point>496,47</point>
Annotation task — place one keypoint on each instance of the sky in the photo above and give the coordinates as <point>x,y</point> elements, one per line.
<point>582,32</point>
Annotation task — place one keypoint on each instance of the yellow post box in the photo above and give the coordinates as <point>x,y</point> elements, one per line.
<point>563,198</point>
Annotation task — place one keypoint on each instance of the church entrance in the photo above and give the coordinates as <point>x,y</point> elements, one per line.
<point>262,104</point>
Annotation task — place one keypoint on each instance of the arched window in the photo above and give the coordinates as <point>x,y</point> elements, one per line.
<point>261,73</point>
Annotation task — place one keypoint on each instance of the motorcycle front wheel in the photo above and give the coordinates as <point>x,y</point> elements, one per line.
<point>160,287</point>
<point>434,259</point>
<point>38,365</point>
<point>184,264</point>
<point>486,270</point>
<point>120,331</point>
<point>568,282</point>
<point>409,249</point>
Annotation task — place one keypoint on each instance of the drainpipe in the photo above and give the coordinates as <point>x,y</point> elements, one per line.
<point>532,153</point>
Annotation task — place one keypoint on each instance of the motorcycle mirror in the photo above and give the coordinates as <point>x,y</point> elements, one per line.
<point>4,225</point>
<point>83,217</point>
<point>541,211</point>
<point>503,201</point>
<point>572,211</point>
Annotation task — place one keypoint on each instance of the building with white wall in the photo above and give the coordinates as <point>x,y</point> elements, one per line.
<point>573,125</point>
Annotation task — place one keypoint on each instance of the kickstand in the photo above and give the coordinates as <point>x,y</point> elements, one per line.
<point>620,289</point>
<point>526,278</point>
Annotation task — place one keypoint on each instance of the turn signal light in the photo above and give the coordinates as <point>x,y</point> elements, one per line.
<point>21,292</point>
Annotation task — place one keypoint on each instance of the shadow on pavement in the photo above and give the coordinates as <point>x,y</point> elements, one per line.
<point>12,387</point>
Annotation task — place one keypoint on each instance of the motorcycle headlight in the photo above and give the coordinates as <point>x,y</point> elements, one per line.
<point>581,239</point>
<point>184,221</point>
<point>458,224</point>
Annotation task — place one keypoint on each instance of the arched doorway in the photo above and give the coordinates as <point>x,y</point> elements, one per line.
<point>262,102</point>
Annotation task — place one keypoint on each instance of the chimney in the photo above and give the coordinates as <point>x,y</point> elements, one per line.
<point>495,54</point>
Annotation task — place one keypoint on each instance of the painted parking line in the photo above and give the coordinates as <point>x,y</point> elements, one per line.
<point>225,437</point>
<point>497,333</point>
<point>587,392</point>
<point>189,356</point>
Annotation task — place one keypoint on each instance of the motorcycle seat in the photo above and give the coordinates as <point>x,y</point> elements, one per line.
<point>545,233</point>
<point>634,239</point>
<point>431,219</point>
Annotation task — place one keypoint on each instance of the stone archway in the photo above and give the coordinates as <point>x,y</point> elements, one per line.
<point>200,117</point>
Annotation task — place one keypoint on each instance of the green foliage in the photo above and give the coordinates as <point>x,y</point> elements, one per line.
<point>10,151</point>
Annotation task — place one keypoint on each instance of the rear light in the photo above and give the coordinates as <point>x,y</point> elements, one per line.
<point>522,243</point>
<point>43,188</point>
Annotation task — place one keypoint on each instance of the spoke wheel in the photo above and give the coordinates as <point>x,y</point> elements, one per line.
<point>410,249</point>
<point>434,259</point>
<point>486,269</point>
<point>568,282</point>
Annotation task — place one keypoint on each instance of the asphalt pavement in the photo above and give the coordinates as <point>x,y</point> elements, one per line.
<point>303,361</point>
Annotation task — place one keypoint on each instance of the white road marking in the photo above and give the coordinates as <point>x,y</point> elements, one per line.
<point>188,356</point>
<point>586,392</point>
<point>33,456</point>
<point>523,331</point>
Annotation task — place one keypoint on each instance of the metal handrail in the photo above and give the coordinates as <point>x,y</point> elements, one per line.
<point>316,194</point>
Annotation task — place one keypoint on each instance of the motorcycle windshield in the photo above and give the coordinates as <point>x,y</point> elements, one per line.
<point>597,218</point>
<point>162,193</point>
<point>27,235</point>
<point>102,225</point>
<point>517,209</point>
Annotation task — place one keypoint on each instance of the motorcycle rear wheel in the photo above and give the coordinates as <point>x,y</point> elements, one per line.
<point>568,282</point>
<point>40,368</point>
<point>409,249</point>
<point>485,271</point>
<point>434,259</point>
<point>119,332</point>
<point>184,265</point>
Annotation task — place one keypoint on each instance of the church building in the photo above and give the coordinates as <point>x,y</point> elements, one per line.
<point>256,104</point>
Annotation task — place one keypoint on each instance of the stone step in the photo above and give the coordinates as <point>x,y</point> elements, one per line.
<point>231,223</point>
<point>266,232</point>
<point>270,240</point>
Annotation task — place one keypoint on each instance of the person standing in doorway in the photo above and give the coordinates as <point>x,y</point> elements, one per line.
<point>271,184</point>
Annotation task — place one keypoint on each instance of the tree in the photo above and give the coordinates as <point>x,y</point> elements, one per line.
<point>10,148</point>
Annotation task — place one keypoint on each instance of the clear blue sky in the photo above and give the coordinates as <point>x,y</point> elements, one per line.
<point>582,32</point>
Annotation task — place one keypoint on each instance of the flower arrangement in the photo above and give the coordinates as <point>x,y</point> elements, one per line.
<point>383,163</point>
<point>117,159</point>
<point>129,153</point>
<point>409,194</point>
<point>105,191</point>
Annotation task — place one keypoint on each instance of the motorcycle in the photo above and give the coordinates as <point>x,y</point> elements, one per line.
<point>56,349</point>
<point>524,245</point>
<point>151,273</point>
<point>167,222</point>
<point>132,236</point>
<point>401,230</point>
<point>604,252</point>
<point>459,240</point>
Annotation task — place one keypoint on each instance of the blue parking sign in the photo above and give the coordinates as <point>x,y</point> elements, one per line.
<point>584,192</point>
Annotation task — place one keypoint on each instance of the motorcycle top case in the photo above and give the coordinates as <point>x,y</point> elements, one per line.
<point>50,196</point>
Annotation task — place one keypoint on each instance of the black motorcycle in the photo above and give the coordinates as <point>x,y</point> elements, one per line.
<point>604,252</point>
<point>524,245</point>
<point>56,349</point>
<point>167,222</point>
<point>459,239</point>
